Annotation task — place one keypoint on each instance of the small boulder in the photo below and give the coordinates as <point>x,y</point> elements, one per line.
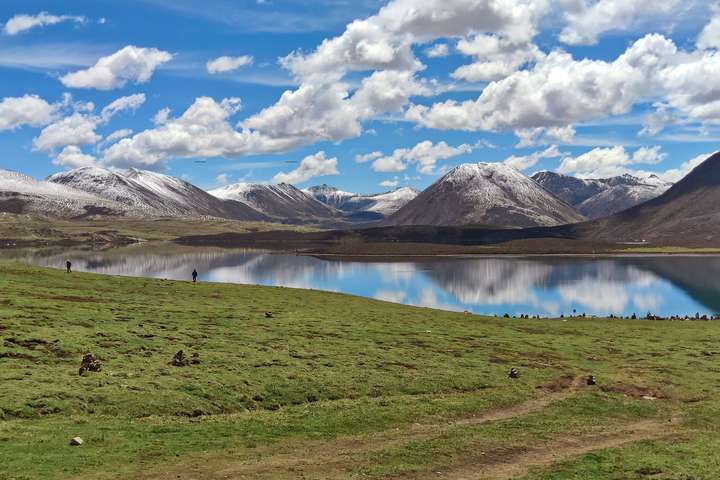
<point>514,373</point>
<point>590,380</point>
<point>179,359</point>
<point>76,442</point>
<point>194,359</point>
<point>182,360</point>
<point>268,315</point>
<point>89,363</point>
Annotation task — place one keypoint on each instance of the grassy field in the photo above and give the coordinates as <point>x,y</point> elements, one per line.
<point>33,229</point>
<point>332,386</point>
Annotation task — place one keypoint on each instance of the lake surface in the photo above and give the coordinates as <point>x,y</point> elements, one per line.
<point>546,286</point>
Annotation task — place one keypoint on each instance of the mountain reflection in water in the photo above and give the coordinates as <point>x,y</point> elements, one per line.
<point>546,286</point>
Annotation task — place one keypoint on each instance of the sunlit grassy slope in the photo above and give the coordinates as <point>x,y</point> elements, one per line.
<point>333,386</point>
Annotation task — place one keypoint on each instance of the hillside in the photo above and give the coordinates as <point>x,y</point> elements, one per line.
<point>152,194</point>
<point>687,214</point>
<point>598,198</point>
<point>22,194</point>
<point>283,202</point>
<point>335,386</point>
<point>489,194</point>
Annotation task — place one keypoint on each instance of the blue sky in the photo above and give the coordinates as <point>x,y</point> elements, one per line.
<point>585,87</point>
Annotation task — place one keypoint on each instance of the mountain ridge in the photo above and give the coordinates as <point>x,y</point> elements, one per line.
<point>601,197</point>
<point>687,213</point>
<point>281,201</point>
<point>491,194</point>
<point>383,204</point>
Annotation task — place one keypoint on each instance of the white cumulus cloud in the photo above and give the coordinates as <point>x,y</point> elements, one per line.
<point>72,157</point>
<point>76,129</point>
<point>29,110</point>
<point>496,57</point>
<point>527,161</point>
<point>390,183</point>
<point>117,135</point>
<point>438,50</point>
<point>368,157</point>
<point>23,22</point>
<point>130,64</point>
<point>203,130</point>
<point>228,64</point>
<point>312,166</point>
<point>586,23</point>
<point>710,35</point>
<point>610,162</point>
<point>559,91</point>
<point>79,127</point>
<point>425,155</point>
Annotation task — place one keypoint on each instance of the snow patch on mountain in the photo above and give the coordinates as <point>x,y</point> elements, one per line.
<point>330,196</point>
<point>21,193</point>
<point>384,204</point>
<point>485,193</point>
<point>151,193</point>
<point>281,201</point>
<point>602,197</point>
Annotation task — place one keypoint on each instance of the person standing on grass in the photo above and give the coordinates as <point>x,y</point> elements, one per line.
<point>194,275</point>
<point>68,265</point>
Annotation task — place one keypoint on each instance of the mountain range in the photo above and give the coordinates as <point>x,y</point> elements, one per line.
<point>279,202</point>
<point>490,194</point>
<point>598,198</point>
<point>20,193</point>
<point>688,213</point>
<point>369,207</point>
<point>141,192</point>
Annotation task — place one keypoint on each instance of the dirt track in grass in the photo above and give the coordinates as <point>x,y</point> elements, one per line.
<point>335,459</point>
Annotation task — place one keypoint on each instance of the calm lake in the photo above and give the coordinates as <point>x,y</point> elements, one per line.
<point>546,286</point>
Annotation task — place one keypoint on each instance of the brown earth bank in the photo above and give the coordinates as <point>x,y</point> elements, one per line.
<point>39,230</point>
<point>423,241</point>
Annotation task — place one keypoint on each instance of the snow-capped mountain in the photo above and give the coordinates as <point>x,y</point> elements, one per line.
<point>488,194</point>
<point>152,194</point>
<point>383,204</point>
<point>570,190</point>
<point>20,193</point>
<point>282,201</point>
<point>386,203</point>
<point>686,214</point>
<point>597,198</point>
<point>330,196</point>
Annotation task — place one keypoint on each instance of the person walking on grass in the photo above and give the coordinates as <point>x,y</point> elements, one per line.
<point>194,275</point>
<point>68,265</point>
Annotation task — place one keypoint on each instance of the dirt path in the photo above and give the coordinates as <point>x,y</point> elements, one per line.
<point>334,459</point>
<point>520,464</point>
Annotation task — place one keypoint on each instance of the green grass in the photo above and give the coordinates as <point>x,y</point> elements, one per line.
<point>326,367</point>
<point>35,229</point>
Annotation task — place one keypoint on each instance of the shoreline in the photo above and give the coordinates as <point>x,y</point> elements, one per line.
<point>9,245</point>
<point>506,255</point>
<point>639,314</point>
